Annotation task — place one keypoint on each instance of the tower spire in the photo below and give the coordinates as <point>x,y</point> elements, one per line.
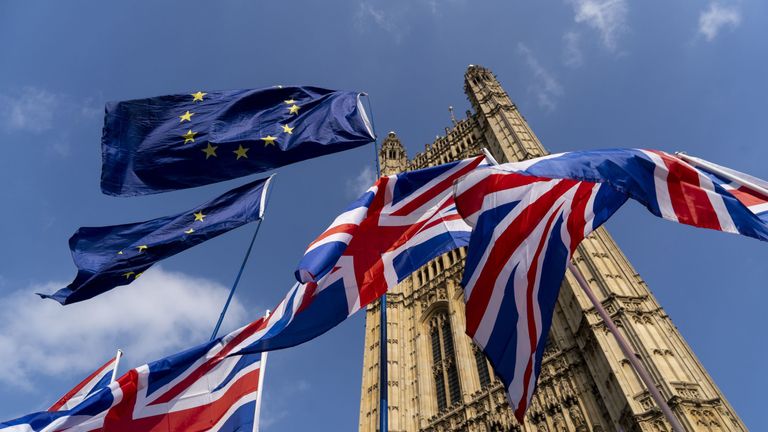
<point>438,379</point>
<point>503,120</point>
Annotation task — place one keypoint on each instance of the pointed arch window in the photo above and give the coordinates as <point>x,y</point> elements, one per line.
<point>444,369</point>
<point>483,371</point>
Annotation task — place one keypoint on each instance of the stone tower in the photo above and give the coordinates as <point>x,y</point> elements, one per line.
<point>440,381</point>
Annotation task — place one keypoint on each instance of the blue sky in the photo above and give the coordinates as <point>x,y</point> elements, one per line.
<point>585,73</point>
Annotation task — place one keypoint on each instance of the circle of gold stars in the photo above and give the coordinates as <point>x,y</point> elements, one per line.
<point>241,152</point>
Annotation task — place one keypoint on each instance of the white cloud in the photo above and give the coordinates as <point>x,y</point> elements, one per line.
<point>32,109</point>
<point>717,17</point>
<point>159,314</point>
<point>608,17</point>
<point>39,111</point>
<point>396,17</point>
<point>387,21</point>
<point>545,86</point>
<point>361,182</point>
<point>572,55</point>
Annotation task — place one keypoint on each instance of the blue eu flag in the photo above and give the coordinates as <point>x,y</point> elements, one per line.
<point>180,141</point>
<point>111,256</point>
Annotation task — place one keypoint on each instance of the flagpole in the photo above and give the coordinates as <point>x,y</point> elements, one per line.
<point>383,372</point>
<point>118,355</point>
<point>262,368</point>
<point>629,353</point>
<point>264,198</point>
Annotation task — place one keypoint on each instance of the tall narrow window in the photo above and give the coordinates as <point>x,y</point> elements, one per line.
<point>451,371</point>
<point>447,384</point>
<point>482,368</point>
<point>437,360</point>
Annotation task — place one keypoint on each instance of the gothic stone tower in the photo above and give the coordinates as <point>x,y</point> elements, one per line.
<point>440,381</point>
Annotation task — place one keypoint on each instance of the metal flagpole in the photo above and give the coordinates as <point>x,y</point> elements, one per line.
<point>262,367</point>
<point>383,373</point>
<point>264,199</point>
<point>117,363</point>
<point>627,350</point>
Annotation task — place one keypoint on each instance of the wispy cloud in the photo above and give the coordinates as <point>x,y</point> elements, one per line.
<point>389,21</point>
<point>155,316</point>
<point>395,17</point>
<point>361,182</point>
<point>717,17</point>
<point>572,55</point>
<point>608,17</point>
<point>545,86</point>
<point>31,110</point>
<point>37,111</point>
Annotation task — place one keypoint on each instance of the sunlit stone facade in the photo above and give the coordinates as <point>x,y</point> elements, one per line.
<point>439,381</point>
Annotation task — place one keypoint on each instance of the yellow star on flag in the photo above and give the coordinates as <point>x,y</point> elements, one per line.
<point>269,140</point>
<point>187,116</point>
<point>290,102</point>
<point>142,248</point>
<point>189,231</point>
<point>294,109</point>
<point>128,275</point>
<point>287,129</point>
<point>198,96</point>
<point>120,253</point>
<point>137,275</point>
<point>189,136</point>
<point>210,151</point>
<point>241,152</point>
<point>199,216</point>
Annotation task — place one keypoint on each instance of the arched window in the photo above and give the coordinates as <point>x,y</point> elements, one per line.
<point>444,368</point>
<point>482,368</point>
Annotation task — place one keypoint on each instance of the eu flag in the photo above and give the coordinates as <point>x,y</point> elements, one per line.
<point>111,256</point>
<point>180,141</point>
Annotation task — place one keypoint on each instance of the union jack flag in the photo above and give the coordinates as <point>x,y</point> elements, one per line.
<point>204,388</point>
<point>678,188</point>
<point>401,223</point>
<point>398,225</point>
<point>95,381</point>
<point>525,231</point>
<point>529,216</point>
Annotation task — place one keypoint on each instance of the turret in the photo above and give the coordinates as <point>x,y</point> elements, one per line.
<point>392,156</point>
